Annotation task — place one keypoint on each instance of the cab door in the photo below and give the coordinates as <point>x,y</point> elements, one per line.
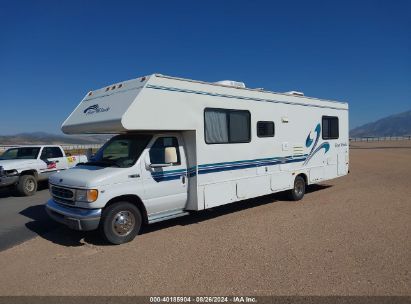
<point>165,185</point>
<point>53,158</point>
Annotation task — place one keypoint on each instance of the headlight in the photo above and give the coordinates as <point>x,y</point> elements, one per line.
<point>88,196</point>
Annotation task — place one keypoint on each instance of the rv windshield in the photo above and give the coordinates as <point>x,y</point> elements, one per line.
<point>121,151</point>
<point>21,153</point>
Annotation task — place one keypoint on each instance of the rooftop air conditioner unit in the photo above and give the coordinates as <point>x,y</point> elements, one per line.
<point>231,83</point>
<point>295,93</point>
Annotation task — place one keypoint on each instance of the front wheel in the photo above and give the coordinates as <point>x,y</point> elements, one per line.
<point>120,223</point>
<point>27,185</point>
<point>297,193</point>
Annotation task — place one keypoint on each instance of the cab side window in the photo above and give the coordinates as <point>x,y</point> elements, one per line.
<point>55,152</point>
<point>51,152</point>
<point>43,154</point>
<point>157,151</point>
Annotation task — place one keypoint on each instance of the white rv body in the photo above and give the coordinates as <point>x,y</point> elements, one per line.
<point>209,174</point>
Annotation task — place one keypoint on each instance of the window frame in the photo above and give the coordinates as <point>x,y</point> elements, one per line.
<point>227,111</point>
<point>322,127</point>
<point>265,121</point>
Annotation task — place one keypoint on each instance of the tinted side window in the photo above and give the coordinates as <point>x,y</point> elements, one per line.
<point>265,129</point>
<point>43,153</point>
<point>330,127</point>
<point>222,126</point>
<point>56,152</point>
<point>157,151</point>
<point>216,126</point>
<point>239,126</point>
<point>51,152</point>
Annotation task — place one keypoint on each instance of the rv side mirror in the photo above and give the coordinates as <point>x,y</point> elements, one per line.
<point>170,155</point>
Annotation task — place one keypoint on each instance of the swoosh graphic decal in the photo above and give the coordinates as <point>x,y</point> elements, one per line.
<point>309,140</point>
<point>314,150</point>
<point>324,145</point>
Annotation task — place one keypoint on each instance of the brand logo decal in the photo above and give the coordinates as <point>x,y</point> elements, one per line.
<point>95,109</point>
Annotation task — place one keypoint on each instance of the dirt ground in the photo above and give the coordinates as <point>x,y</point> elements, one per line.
<point>349,236</point>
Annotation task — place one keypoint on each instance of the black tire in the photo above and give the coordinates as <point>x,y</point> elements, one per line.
<point>27,185</point>
<point>298,191</point>
<point>120,223</point>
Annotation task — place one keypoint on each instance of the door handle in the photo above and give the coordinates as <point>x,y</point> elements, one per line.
<point>183,179</point>
<point>134,176</point>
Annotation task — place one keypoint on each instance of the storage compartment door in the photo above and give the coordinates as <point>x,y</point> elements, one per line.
<point>219,194</point>
<point>280,181</point>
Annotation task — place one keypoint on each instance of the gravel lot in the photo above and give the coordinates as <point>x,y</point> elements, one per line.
<point>349,236</point>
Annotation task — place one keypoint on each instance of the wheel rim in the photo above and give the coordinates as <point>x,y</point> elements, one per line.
<point>123,223</point>
<point>29,185</point>
<point>299,187</point>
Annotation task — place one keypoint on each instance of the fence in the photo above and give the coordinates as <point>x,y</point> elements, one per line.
<point>382,138</point>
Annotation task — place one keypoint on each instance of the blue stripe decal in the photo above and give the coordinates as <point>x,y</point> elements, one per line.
<point>246,165</point>
<point>225,166</point>
<point>236,97</point>
<point>254,161</point>
<point>161,176</point>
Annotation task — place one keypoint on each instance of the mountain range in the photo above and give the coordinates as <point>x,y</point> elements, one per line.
<point>47,138</point>
<point>394,125</point>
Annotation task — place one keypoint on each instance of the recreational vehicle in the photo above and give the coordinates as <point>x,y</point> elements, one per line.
<point>183,145</point>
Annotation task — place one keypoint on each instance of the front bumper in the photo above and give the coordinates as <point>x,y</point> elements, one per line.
<point>74,218</point>
<point>8,180</point>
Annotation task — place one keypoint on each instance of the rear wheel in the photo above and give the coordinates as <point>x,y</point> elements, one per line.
<point>27,185</point>
<point>120,222</point>
<point>297,193</point>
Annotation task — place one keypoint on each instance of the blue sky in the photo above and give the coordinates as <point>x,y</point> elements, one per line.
<point>53,52</point>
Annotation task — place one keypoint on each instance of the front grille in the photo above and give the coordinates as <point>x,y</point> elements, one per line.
<point>62,193</point>
<point>64,201</point>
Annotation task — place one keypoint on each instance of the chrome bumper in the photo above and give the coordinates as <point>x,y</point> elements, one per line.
<point>74,218</point>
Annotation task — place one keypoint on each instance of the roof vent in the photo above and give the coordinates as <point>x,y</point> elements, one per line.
<point>231,83</point>
<point>295,93</point>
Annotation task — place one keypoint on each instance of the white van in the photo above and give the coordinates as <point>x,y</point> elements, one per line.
<point>186,145</point>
